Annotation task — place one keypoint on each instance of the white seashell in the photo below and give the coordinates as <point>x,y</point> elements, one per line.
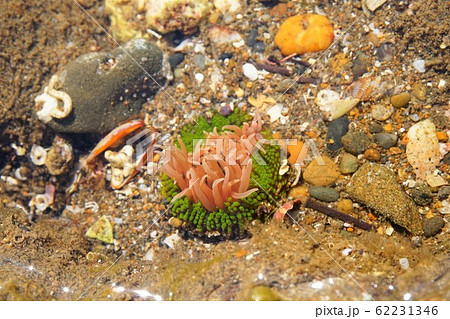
<point>372,5</point>
<point>41,202</point>
<point>38,155</point>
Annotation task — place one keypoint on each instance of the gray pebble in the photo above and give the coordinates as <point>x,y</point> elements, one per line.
<point>386,140</point>
<point>375,128</point>
<point>386,51</point>
<point>446,159</point>
<point>337,129</point>
<point>433,226</point>
<point>349,164</point>
<point>259,47</point>
<point>251,39</point>
<point>443,192</point>
<point>325,194</point>
<point>176,59</point>
<point>355,142</point>
<point>421,194</point>
<point>109,88</point>
<point>200,61</point>
<point>359,65</point>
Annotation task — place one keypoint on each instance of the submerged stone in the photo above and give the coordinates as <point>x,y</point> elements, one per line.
<point>109,88</point>
<point>376,187</point>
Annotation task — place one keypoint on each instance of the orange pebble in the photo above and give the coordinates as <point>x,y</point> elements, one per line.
<point>294,150</point>
<point>372,217</point>
<point>304,33</point>
<point>241,253</point>
<point>442,136</point>
<point>276,135</point>
<point>350,229</point>
<point>388,127</point>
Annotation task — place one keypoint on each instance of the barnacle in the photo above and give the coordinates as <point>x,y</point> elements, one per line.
<point>225,214</point>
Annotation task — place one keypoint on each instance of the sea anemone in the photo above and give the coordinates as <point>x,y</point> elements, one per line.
<point>225,178</point>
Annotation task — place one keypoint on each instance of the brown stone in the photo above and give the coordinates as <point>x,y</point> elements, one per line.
<point>322,171</point>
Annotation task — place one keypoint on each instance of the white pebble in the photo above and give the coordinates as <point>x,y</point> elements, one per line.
<point>419,65</point>
<point>199,77</point>
<point>346,251</point>
<point>250,71</point>
<point>404,263</point>
<point>38,155</point>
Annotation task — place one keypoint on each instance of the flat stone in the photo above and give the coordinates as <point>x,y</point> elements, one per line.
<point>433,226</point>
<point>355,142</point>
<point>386,140</point>
<point>108,89</point>
<point>321,173</point>
<point>324,194</point>
<point>376,187</point>
<point>349,164</point>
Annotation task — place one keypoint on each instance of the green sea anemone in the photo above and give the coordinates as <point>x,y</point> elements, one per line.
<point>227,180</point>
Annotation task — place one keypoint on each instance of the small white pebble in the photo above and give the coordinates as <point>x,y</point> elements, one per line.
<point>419,65</point>
<point>377,64</point>
<point>199,77</point>
<point>65,289</point>
<point>404,263</point>
<point>317,285</point>
<point>346,251</point>
<point>250,71</point>
<point>407,297</point>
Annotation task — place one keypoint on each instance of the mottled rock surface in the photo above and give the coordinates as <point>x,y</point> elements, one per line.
<point>109,88</point>
<point>376,186</point>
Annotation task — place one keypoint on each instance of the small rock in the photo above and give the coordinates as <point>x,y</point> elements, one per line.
<point>109,88</point>
<point>200,61</point>
<point>101,230</point>
<point>416,241</point>
<point>359,65</point>
<point>298,191</point>
<point>171,240</point>
<point>400,100</point>
<point>251,39</point>
<point>404,263</point>
<point>386,51</point>
<point>176,59</point>
<point>372,155</point>
<point>421,194</point>
<point>345,206</point>
<point>375,128</point>
<point>324,194</point>
<point>433,226</point>
<point>175,222</point>
<point>259,47</point>
<point>446,159</point>
<point>435,180</point>
<point>419,65</point>
<point>250,71</point>
<point>263,293</point>
<point>442,137</point>
<point>349,164</point>
<point>322,171</point>
<point>419,91</point>
<point>356,142</point>
<point>381,113</point>
<point>225,55</point>
<point>443,192</point>
<point>386,140</point>
<point>336,129</point>
<point>376,186</point>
